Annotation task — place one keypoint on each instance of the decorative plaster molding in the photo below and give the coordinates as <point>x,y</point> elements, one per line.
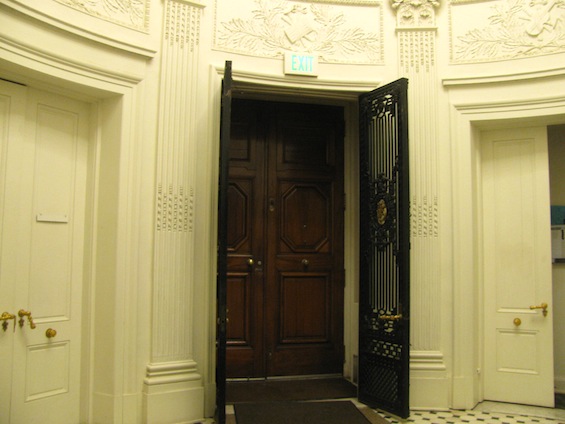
<point>129,13</point>
<point>174,209</point>
<point>424,217</point>
<point>272,27</point>
<point>427,360</point>
<point>499,79</point>
<point>256,83</point>
<point>182,24</point>
<point>415,13</point>
<point>417,50</point>
<point>61,18</point>
<point>171,372</point>
<point>196,3</point>
<point>508,29</point>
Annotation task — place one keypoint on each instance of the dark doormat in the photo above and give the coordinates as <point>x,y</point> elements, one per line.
<point>329,412</point>
<point>284,390</point>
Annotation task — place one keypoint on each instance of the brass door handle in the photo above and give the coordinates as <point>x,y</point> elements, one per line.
<point>50,333</point>
<point>517,322</point>
<point>542,306</point>
<point>5,317</point>
<point>390,317</point>
<point>250,262</point>
<point>23,313</point>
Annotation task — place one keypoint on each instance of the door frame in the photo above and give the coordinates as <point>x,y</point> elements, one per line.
<point>253,86</point>
<point>114,167</point>
<point>39,95</point>
<point>470,114</point>
<point>483,289</point>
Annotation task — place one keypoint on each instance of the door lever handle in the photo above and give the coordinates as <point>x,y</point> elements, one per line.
<point>5,317</point>
<point>23,313</point>
<point>542,306</point>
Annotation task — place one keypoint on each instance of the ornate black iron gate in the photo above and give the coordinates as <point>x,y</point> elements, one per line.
<point>384,348</point>
<point>222,245</point>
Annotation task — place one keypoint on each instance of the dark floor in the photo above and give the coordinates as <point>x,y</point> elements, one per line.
<point>284,390</point>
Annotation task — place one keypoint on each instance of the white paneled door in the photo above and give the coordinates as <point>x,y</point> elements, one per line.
<point>518,336</point>
<point>43,175</point>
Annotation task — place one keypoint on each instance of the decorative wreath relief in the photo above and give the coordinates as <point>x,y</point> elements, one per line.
<point>132,13</point>
<point>518,28</point>
<point>278,26</point>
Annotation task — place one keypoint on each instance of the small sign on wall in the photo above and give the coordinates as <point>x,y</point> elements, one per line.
<point>301,64</point>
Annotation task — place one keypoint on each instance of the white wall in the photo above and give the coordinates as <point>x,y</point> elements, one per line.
<point>556,144</point>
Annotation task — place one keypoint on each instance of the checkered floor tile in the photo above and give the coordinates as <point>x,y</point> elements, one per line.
<point>456,417</point>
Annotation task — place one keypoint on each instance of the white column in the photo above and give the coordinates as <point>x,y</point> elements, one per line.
<point>173,390</point>
<point>416,30</point>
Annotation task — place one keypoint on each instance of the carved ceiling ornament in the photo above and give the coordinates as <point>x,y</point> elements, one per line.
<point>269,28</point>
<point>415,13</point>
<point>129,13</point>
<point>511,29</point>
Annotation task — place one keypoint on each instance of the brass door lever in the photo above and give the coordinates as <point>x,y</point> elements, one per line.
<point>542,306</point>
<point>391,317</point>
<point>23,313</point>
<point>5,317</point>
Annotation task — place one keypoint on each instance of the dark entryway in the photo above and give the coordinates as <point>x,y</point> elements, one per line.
<point>285,276</point>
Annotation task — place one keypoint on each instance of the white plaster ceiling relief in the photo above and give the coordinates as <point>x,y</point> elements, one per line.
<point>415,13</point>
<point>338,33</point>
<point>129,13</point>
<point>508,29</point>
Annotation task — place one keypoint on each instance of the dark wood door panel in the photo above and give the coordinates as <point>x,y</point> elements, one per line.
<point>245,343</point>
<point>240,207</point>
<point>305,308</point>
<point>306,136</point>
<point>238,306</point>
<point>245,151</point>
<point>245,350</point>
<point>287,199</point>
<point>304,326</point>
<point>306,217</point>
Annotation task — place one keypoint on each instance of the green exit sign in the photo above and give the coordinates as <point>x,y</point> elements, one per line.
<point>300,64</point>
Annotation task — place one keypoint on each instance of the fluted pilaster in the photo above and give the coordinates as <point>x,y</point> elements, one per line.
<point>174,241</point>
<point>172,331</point>
<point>416,30</point>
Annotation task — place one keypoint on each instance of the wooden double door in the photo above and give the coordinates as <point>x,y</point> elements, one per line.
<point>285,275</point>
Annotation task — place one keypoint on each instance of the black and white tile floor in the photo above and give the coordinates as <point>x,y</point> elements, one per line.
<point>485,413</point>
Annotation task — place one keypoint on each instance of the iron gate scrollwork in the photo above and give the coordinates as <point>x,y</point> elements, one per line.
<point>382,201</point>
<point>384,249</point>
